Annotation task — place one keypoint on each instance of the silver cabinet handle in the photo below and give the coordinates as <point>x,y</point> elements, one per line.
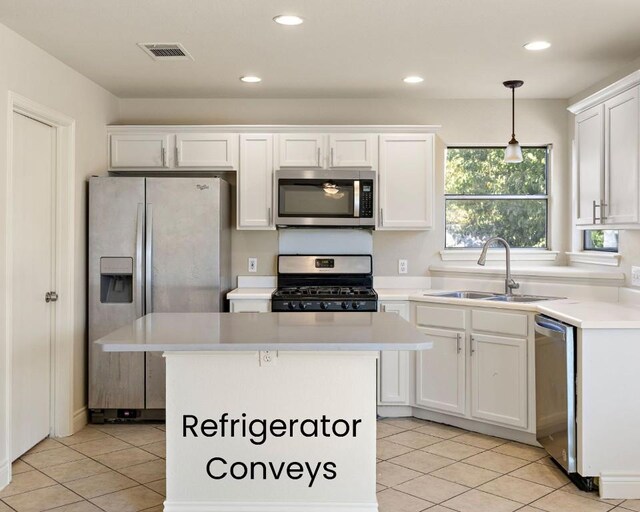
<point>177,154</point>
<point>458,339</point>
<point>381,217</point>
<point>269,216</point>
<point>603,205</point>
<point>148,264</point>
<point>594,211</point>
<point>137,292</point>
<point>331,157</point>
<point>318,157</point>
<point>50,297</point>
<point>164,156</point>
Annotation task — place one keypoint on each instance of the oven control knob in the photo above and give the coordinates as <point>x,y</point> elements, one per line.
<point>324,305</point>
<point>292,305</point>
<point>356,305</point>
<point>345,305</point>
<point>303,305</point>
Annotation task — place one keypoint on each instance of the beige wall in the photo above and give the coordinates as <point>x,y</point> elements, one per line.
<point>463,122</point>
<point>30,72</point>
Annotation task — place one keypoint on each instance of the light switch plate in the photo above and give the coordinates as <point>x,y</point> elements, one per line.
<point>635,276</point>
<point>253,265</point>
<point>403,266</point>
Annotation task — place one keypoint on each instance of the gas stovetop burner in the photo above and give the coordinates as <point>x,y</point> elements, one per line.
<point>324,291</point>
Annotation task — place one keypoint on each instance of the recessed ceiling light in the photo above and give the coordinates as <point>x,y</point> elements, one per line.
<point>250,79</point>
<point>537,45</point>
<point>288,19</point>
<point>413,79</point>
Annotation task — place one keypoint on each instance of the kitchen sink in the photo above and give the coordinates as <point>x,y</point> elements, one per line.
<point>466,295</point>
<point>498,297</point>
<point>521,298</point>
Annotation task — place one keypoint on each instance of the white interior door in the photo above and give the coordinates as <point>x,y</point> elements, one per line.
<point>33,224</point>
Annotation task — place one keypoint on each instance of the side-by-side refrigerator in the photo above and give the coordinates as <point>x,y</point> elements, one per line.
<point>155,245</point>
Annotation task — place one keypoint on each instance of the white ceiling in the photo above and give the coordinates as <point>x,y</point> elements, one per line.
<point>345,48</point>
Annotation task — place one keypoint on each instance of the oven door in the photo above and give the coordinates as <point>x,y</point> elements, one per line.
<point>313,198</point>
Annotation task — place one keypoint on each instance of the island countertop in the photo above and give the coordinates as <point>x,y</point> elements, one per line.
<point>326,331</point>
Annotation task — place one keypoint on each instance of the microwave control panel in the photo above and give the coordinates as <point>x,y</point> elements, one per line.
<point>366,199</point>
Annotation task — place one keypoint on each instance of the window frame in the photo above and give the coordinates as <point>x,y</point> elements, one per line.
<point>546,197</point>
<point>615,250</point>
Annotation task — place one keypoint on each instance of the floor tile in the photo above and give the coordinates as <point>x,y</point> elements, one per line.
<point>421,461</point>
<point>81,506</point>
<point>146,472</point>
<point>542,474</point>
<point>124,458</point>
<point>440,508</point>
<point>159,449</point>
<point>73,470</point>
<point>546,461</point>
<point>101,446</point>
<point>42,499</point>
<point>631,505</point>
<point>129,500</point>
<point>41,460</point>
<point>478,501</point>
<point>432,489</point>
<point>384,430</point>
<point>560,501</point>
<point>98,485</point>
<point>496,462</point>
<point>5,508</point>
<point>570,487</point>
<point>413,439</point>
<point>157,508</point>
<point>480,440</point>
<point>453,450</point>
<point>141,437</point>
<point>438,430</point>
<point>391,474</point>
<point>159,486</point>
<point>44,445</point>
<point>516,489</point>
<point>28,481</point>
<point>380,487</point>
<point>20,466</point>
<point>391,500</point>
<point>522,451</point>
<point>386,449</point>
<point>405,423</point>
<point>464,474</point>
<point>84,435</point>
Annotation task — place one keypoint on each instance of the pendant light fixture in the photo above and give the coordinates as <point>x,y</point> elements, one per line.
<point>513,151</point>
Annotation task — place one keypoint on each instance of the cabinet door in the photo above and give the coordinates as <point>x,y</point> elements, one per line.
<point>138,151</point>
<point>440,372</point>
<point>211,150</point>
<point>499,379</point>
<point>622,136</point>
<point>406,191</point>
<point>589,136</point>
<point>301,150</point>
<point>351,150</point>
<point>393,366</point>
<point>255,182</point>
<point>250,306</point>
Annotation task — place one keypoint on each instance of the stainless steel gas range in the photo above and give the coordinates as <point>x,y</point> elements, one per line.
<point>325,283</point>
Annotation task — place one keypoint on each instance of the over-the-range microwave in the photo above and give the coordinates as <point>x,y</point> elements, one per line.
<point>339,198</point>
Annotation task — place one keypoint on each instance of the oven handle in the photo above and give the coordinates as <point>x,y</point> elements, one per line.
<point>356,198</point>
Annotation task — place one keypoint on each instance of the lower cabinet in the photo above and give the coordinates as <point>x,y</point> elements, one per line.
<point>394,365</point>
<point>440,372</point>
<point>499,379</point>
<point>249,306</point>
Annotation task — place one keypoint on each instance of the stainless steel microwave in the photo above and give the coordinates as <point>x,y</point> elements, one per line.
<point>306,197</point>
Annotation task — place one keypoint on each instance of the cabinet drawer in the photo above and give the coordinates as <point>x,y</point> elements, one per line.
<point>499,322</point>
<point>435,316</point>
<point>250,306</point>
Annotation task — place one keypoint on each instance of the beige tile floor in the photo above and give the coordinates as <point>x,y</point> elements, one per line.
<point>421,466</point>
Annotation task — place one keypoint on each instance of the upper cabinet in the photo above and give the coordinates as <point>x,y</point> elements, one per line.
<point>301,150</point>
<point>352,150</point>
<point>219,150</point>
<point>138,150</point>
<point>607,156</point>
<point>406,181</point>
<point>255,182</point>
<point>327,150</point>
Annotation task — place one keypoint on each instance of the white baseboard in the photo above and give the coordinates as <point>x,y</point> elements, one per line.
<point>80,419</point>
<point>5,473</point>
<point>619,486</point>
<point>189,506</point>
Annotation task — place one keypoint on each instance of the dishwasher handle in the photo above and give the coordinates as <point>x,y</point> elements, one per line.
<point>549,328</point>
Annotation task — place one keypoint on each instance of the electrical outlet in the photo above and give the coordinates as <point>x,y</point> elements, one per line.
<point>403,266</point>
<point>253,264</point>
<point>635,276</point>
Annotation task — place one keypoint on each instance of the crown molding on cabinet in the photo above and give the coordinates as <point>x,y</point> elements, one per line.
<point>602,95</point>
<point>277,128</point>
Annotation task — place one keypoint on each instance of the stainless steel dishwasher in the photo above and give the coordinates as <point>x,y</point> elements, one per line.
<point>556,390</point>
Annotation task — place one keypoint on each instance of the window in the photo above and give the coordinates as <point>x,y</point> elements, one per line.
<point>600,240</point>
<point>485,197</point>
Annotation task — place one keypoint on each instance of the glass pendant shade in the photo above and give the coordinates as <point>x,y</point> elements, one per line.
<point>513,152</point>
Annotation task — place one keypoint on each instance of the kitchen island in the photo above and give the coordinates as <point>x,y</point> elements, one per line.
<point>270,411</point>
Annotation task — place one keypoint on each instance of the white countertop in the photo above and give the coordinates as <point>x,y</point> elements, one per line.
<point>175,332</point>
<point>251,293</point>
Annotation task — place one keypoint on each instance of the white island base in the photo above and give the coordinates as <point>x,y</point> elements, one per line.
<point>294,385</point>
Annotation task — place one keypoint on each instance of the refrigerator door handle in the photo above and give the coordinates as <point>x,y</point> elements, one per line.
<point>139,266</point>
<point>148,265</point>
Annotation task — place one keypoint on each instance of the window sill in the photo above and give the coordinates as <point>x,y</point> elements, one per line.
<point>608,259</point>
<point>498,254</point>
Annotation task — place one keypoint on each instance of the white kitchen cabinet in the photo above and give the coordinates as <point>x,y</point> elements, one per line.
<point>352,150</point>
<point>406,181</point>
<point>138,150</point>
<point>589,163</point>
<point>499,379</point>
<point>255,182</point>
<point>207,150</point>
<point>393,365</point>
<point>301,150</point>
<point>249,305</point>
<point>441,372</point>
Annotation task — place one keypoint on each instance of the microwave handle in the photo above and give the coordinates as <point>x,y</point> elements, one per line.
<point>356,198</point>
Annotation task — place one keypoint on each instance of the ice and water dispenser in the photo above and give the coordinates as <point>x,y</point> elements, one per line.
<point>116,280</point>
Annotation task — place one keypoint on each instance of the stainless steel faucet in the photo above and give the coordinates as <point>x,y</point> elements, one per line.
<point>509,283</point>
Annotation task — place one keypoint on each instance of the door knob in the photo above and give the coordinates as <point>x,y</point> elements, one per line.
<point>50,297</point>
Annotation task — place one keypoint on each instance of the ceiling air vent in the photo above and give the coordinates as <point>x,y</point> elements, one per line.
<point>165,51</point>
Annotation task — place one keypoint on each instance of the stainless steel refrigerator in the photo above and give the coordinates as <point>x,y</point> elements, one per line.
<point>155,245</point>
